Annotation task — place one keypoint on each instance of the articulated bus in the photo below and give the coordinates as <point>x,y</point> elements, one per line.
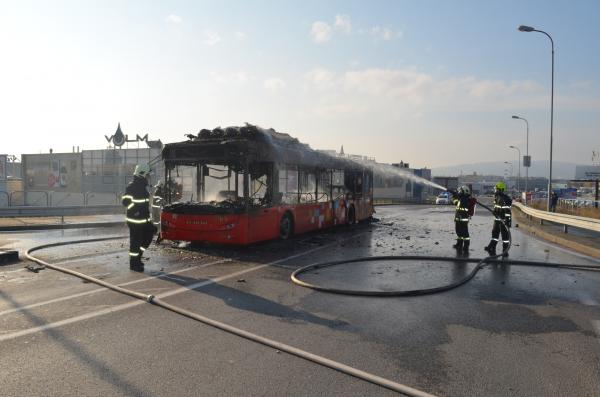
<point>250,184</point>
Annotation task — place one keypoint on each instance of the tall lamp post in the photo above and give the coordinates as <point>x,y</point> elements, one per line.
<point>518,161</point>
<point>524,28</point>
<point>527,159</point>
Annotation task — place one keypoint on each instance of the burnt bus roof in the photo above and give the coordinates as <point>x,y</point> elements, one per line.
<point>251,142</point>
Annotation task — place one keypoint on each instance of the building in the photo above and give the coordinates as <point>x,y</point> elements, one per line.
<point>403,184</point>
<point>449,182</point>
<point>10,178</point>
<point>71,178</point>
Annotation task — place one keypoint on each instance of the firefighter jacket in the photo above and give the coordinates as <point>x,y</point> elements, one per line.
<point>137,201</point>
<point>462,207</point>
<point>502,204</point>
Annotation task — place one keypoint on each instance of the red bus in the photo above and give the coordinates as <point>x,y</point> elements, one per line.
<point>241,185</point>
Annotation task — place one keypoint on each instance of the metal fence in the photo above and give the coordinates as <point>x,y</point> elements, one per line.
<point>34,198</point>
<point>579,203</point>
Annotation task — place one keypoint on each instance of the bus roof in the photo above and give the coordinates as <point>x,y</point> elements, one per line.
<point>251,143</point>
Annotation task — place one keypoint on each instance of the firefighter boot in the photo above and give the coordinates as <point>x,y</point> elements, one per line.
<point>459,245</point>
<point>135,264</point>
<point>465,248</point>
<point>505,247</point>
<point>491,248</point>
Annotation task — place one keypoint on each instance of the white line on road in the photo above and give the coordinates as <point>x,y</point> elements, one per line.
<point>78,295</point>
<point>176,291</point>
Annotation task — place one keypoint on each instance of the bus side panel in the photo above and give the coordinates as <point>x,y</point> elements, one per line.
<point>308,217</point>
<point>263,224</point>
<point>218,229</point>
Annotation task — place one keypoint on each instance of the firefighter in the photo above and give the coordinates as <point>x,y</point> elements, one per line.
<point>137,201</point>
<point>462,200</point>
<point>157,203</point>
<point>502,214</point>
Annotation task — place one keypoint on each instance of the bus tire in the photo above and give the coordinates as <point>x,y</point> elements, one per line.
<point>351,220</point>
<point>286,226</point>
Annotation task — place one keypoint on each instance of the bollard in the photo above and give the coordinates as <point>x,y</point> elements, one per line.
<point>565,229</point>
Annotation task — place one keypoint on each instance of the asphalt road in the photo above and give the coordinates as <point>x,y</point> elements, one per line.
<point>512,330</point>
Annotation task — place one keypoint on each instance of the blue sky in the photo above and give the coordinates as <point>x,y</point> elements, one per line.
<point>429,82</point>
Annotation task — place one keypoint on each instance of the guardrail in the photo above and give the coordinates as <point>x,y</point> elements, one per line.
<point>561,219</point>
<point>29,211</point>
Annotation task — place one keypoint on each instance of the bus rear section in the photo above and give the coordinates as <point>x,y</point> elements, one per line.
<point>242,185</point>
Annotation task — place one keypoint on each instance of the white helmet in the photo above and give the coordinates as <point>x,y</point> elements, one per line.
<point>142,170</point>
<point>464,189</point>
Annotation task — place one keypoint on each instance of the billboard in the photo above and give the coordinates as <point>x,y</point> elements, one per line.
<point>587,172</point>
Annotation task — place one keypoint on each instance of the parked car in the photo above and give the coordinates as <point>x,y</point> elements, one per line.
<point>443,199</point>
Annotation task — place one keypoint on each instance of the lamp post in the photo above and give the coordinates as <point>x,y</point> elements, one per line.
<point>518,161</point>
<point>528,163</point>
<point>524,28</point>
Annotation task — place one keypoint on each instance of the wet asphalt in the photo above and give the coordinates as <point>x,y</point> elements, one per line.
<point>512,330</point>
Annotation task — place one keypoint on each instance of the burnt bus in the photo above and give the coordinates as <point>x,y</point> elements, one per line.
<point>250,184</point>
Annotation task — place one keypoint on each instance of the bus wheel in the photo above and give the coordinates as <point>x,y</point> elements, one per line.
<point>286,226</point>
<point>351,216</point>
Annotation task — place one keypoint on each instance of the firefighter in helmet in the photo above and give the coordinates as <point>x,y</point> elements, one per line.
<point>141,230</point>
<point>462,200</point>
<point>502,221</point>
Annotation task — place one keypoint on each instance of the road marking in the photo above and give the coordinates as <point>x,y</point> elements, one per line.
<point>80,294</point>
<point>167,294</point>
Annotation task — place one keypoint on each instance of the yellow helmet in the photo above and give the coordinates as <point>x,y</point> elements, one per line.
<point>500,186</point>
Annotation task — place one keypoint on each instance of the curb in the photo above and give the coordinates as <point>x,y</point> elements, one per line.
<point>60,226</point>
<point>8,257</point>
<point>556,239</point>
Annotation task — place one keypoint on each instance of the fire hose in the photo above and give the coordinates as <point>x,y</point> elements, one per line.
<point>348,370</point>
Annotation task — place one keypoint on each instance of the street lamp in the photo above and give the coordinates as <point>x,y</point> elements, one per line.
<point>527,163</point>
<point>518,161</point>
<point>524,28</point>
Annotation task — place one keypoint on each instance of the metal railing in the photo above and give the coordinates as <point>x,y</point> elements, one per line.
<point>25,195</point>
<point>579,203</point>
<point>43,203</point>
<point>561,219</point>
